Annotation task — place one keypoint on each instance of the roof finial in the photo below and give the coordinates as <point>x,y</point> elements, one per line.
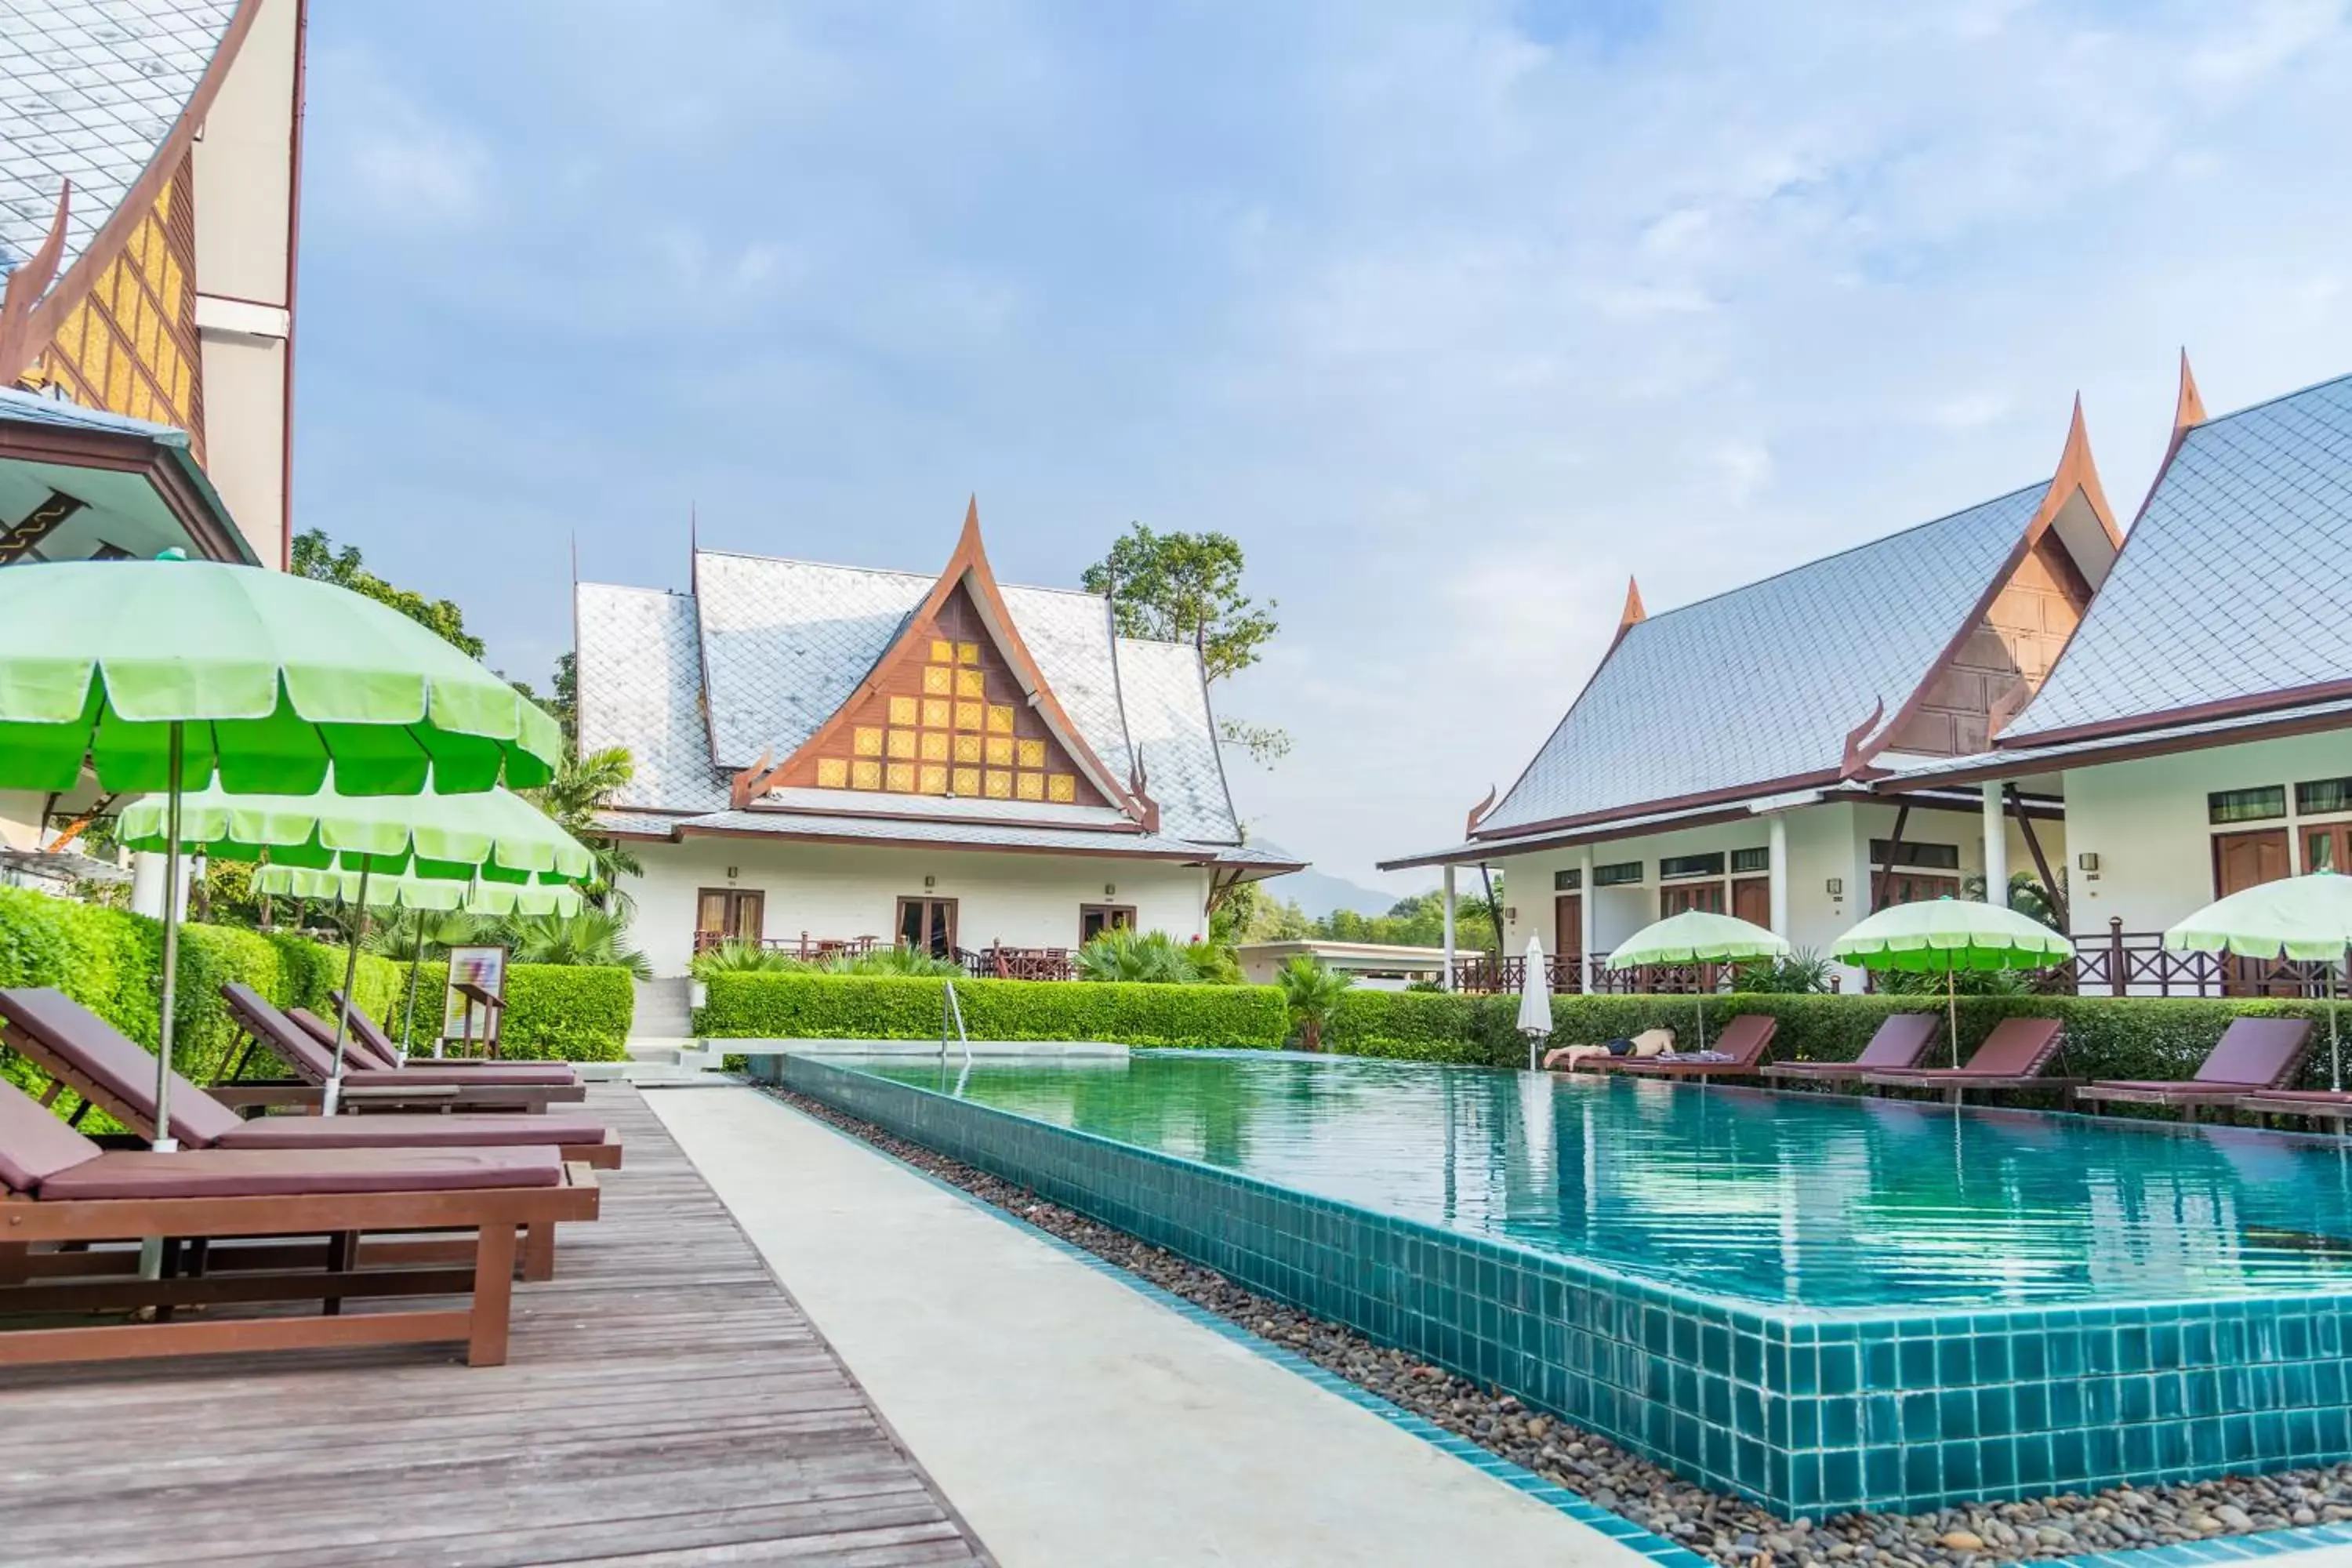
<point>24,289</point>
<point>2188,410</point>
<point>972,516</point>
<point>2077,470</point>
<point>1633,615</point>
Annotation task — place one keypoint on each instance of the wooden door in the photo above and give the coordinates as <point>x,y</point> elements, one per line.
<point>1673,900</point>
<point>1568,928</point>
<point>728,914</point>
<point>1096,919</point>
<point>927,925</point>
<point>1751,900</point>
<point>1915,888</point>
<point>2242,860</point>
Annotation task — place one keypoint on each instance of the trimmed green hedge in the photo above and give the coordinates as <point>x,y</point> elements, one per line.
<point>795,1006</point>
<point>554,1010</point>
<point>2107,1036</point>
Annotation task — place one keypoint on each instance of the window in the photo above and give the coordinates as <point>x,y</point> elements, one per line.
<point>1691,866</point>
<point>2321,796</point>
<point>1567,881</point>
<point>1745,860</point>
<point>1618,875</point>
<point>2246,805</point>
<point>1096,919</point>
<point>927,925</point>
<point>1941,857</point>
<point>727,914</point>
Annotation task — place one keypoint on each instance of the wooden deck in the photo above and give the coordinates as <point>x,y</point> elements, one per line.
<point>666,1403</point>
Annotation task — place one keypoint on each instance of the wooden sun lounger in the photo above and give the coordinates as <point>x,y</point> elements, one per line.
<point>1899,1042</point>
<point>2253,1057</point>
<point>2317,1104</point>
<point>2012,1056</point>
<point>1738,1051</point>
<point>81,1051</point>
<point>412,1088</point>
<point>372,1036</point>
<point>59,1188</point>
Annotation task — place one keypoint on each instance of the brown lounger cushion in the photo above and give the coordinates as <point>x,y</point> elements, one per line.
<point>2017,1047</point>
<point>35,1144</point>
<point>71,1032</point>
<point>369,1032</point>
<point>317,1060</point>
<point>359,1051</point>
<point>2262,1051</point>
<point>269,1173</point>
<point>459,1132</point>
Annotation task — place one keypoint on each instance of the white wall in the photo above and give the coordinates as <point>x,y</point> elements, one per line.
<point>841,891</point>
<point>2147,823</point>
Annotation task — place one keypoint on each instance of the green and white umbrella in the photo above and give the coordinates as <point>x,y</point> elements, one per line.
<point>160,676</point>
<point>1945,936</point>
<point>1698,936</point>
<point>492,846</point>
<point>2307,918</point>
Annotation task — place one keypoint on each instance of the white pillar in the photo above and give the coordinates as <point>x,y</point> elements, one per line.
<point>1778,856</point>
<point>1449,928</point>
<point>1585,899</point>
<point>1995,846</point>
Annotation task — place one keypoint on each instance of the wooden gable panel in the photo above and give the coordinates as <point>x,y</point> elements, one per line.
<point>944,716</point>
<point>2004,659</point>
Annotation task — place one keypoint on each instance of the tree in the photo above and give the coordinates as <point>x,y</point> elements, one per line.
<point>563,702</point>
<point>316,557</point>
<point>1311,993</point>
<point>1187,587</point>
<point>581,787</point>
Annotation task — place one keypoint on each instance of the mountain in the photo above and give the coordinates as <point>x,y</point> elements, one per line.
<point>1319,894</point>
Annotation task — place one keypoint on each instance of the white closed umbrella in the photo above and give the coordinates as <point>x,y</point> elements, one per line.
<point>1534,1002</point>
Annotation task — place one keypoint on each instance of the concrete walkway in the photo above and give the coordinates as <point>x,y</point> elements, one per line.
<point>1074,1422</point>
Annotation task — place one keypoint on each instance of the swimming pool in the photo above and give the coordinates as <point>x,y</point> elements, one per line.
<point>1820,1301</point>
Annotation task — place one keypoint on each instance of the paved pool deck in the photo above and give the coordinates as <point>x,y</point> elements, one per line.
<point>1072,1420</point>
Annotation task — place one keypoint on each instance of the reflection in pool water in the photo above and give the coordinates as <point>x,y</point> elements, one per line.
<point>1814,1201</point>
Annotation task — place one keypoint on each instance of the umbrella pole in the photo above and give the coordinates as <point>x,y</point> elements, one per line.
<point>164,1140</point>
<point>2335,1043</point>
<point>350,978</point>
<point>1952,1010</point>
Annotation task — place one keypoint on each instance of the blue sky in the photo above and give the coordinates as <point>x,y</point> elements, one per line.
<point>1454,316</point>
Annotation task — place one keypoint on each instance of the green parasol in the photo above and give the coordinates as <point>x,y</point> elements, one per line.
<point>333,844</point>
<point>159,675</point>
<point>1698,936</point>
<point>2296,917</point>
<point>1944,936</point>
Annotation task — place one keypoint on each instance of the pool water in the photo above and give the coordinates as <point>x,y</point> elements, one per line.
<point>1790,1201</point>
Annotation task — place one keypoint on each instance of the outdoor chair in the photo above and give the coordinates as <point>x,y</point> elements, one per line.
<point>2012,1056</point>
<point>379,1044</point>
<point>63,1200</point>
<point>2254,1055</point>
<point>363,1088</point>
<point>2313,1104</point>
<point>1898,1042</point>
<point>81,1051</point>
<point>1738,1052</point>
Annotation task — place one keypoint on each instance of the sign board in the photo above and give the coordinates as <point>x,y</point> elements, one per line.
<point>474,972</point>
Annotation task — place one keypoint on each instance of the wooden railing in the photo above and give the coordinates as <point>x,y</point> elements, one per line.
<point>804,947</point>
<point>1001,963</point>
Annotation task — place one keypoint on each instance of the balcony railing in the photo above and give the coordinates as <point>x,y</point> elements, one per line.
<point>996,961</point>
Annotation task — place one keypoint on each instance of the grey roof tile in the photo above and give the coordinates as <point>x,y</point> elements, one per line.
<point>89,89</point>
<point>1169,723</point>
<point>1766,681</point>
<point>21,407</point>
<point>2233,582</point>
<point>640,678</point>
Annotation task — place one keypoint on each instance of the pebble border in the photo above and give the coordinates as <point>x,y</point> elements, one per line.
<point>1637,1537</point>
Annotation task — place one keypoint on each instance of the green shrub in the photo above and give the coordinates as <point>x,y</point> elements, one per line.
<point>566,1012</point>
<point>2107,1036</point>
<point>789,1006</point>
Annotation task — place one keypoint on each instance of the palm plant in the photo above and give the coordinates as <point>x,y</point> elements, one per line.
<point>583,787</point>
<point>1312,993</point>
<point>892,960</point>
<point>424,934</point>
<point>1803,970</point>
<point>591,937</point>
<point>1125,954</point>
<point>737,956</point>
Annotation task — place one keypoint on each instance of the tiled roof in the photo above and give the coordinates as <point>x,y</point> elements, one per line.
<point>20,407</point>
<point>2012,760</point>
<point>1471,851</point>
<point>2233,582</point>
<point>88,90</point>
<point>640,678</point>
<point>784,644</point>
<point>1767,681</point>
<point>980,836</point>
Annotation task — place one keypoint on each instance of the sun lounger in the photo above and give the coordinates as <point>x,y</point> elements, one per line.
<point>59,1189</point>
<point>1898,1042</point>
<point>367,1046</point>
<point>368,1088</point>
<point>2316,1104</point>
<point>1738,1052</point>
<point>2012,1056</point>
<point>2254,1055</point>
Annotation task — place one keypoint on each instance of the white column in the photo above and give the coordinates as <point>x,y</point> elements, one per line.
<point>1449,928</point>
<point>1995,846</point>
<point>147,883</point>
<point>1778,853</point>
<point>1585,893</point>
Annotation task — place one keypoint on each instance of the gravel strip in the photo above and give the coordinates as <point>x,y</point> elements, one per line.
<point>1725,1529</point>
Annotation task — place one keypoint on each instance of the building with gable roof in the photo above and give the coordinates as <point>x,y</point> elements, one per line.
<point>150,162</point>
<point>838,757</point>
<point>1722,756</point>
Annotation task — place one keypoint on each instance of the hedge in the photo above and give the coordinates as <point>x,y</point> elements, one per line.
<point>554,1010</point>
<point>2107,1036</point>
<point>796,1006</point>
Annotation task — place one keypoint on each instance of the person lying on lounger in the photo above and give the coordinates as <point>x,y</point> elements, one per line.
<point>1648,1043</point>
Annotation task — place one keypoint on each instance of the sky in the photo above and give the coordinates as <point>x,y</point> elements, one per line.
<point>1456,317</point>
